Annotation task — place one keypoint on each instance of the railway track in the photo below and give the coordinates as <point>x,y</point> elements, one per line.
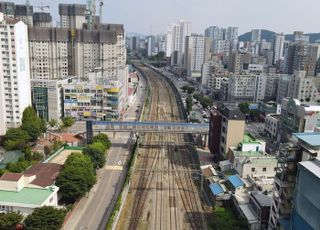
<point>162,196</point>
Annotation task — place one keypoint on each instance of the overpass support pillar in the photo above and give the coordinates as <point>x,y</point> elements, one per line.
<point>205,141</point>
<point>89,132</point>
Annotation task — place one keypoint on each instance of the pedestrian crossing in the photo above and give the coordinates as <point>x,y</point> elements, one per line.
<point>114,167</point>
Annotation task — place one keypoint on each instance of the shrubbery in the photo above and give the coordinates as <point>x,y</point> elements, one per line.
<point>76,178</point>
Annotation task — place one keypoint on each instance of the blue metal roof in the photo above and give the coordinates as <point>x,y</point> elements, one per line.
<point>312,139</point>
<point>216,189</point>
<point>236,181</point>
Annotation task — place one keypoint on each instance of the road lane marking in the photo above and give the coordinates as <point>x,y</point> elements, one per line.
<point>113,167</point>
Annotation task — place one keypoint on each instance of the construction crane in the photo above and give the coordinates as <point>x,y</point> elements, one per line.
<point>42,7</point>
<point>90,13</point>
<point>100,9</point>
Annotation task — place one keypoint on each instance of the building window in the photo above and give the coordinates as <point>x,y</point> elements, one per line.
<point>253,169</point>
<point>264,169</point>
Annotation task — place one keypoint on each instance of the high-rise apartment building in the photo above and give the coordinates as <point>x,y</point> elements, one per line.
<point>60,52</point>
<point>15,92</point>
<point>196,53</point>
<point>24,13</point>
<point>278,47</point>
<point>256,35</point>
<point>49,53</point>
<point>177,34</point>
<point>215,33</point>
<point>42,19</point>
<point>223,40</point>
<point>151,45</point>
<point>313,59</point>
<point>212,73</point>
<point>72,15</point>
<point>7,8</point>
<point>296,56</point>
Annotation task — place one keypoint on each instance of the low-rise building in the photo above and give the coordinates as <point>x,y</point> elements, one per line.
<point>224,120</point>
<point>269,107</point>
<point>236,184</point>
<point>254,164</point>
<point>47,97</point>
<point>241,88</point>
<point>250,160</point>
<point>100,101</point>
<point>272,126</point>
<point>35,188</point>
<point>298,117</point>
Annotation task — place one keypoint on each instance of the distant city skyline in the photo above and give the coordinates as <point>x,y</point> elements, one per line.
<point>145,16</point>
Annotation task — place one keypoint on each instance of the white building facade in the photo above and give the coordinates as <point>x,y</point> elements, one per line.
<point>176,36</point>
<point>196,53</point>
<point>15,92</point>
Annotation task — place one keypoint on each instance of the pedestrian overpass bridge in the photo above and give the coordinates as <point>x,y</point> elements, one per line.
<point>144,127</point>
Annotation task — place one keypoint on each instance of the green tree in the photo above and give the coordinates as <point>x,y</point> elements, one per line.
<point>206,102</point>
<point>19,166</point>
<point>67,121</point>
<point>10,220</point>
<point>188,89</point>
<point>32,124</point>
<point>197,96</point>
<point>103,139</point>
<point>3,171</point>
<point>76,178</point>
<point>224,219</point>
<point>189,103</point>
<point>52,123</point>
<point>244,107</point>
<point>16,138</point>
<point>46,217</point>
<point>27,153</point>
<point>36,156</point>
<point>96,151</point>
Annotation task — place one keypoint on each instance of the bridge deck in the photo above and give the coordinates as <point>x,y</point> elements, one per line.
<point>149,126</point>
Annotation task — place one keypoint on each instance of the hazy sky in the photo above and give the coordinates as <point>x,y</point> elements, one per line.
<point>138,15</point>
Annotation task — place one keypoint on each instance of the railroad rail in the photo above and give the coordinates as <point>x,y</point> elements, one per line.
<point>163,192</point>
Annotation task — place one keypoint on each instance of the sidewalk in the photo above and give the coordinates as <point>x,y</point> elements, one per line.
<point>93,210</point>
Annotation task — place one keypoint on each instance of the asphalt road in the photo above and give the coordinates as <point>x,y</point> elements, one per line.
<point>93,211</point>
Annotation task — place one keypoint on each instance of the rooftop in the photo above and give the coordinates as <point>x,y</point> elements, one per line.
<point>236,181</point>
<point>46,173</point>
<point>11,176</point>
<point>247,212</point>
<point>312,139</point>
<point>231,111</point>
<point>263,200</point>
<point>216,189</point>
<point>250,154</point>
<point>69,137</point>
<point>312,166</point>
<point>248,138</point>
<point>31,196</point>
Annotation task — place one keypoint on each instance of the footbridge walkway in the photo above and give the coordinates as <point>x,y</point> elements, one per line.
<point>144,127</point>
